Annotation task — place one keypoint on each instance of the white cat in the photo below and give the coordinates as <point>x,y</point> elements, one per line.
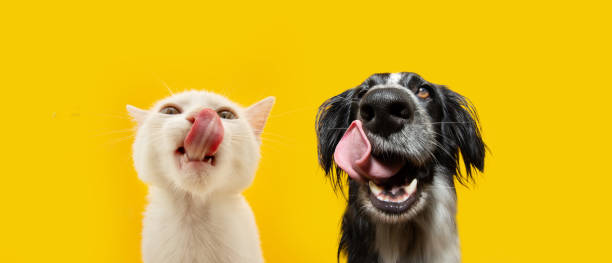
<point>198,151</point>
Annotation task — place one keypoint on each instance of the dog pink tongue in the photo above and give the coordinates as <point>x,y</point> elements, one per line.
<point>205,135</point>
<point>353,155</point>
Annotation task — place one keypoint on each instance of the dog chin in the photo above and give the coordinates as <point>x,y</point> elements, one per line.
<point>393,204</point>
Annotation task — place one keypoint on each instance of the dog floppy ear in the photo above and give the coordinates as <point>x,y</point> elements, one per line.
<point>332,121</point>
<point>461,132</point>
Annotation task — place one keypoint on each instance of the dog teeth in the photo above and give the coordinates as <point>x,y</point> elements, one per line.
<point>377,190</point>
<point>411,188</point>
<point>408,190</point>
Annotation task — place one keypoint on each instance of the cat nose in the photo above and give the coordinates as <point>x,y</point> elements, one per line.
<point>205,135</point>
<point>191,117</point>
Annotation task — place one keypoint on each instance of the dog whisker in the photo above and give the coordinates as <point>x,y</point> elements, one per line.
<point>290,112</point>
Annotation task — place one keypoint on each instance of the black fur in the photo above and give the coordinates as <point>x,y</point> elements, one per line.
<point>332,121</point>
<point>357,232</point>
<point>461,133</point>
<point>457,134</point>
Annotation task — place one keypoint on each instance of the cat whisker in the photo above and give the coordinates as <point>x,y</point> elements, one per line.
<point>119,140</point>
<point>167,87</point>
<point>112,132</point>
<point>163,83</point>
<point>262,138</point>
<point>110,115</point>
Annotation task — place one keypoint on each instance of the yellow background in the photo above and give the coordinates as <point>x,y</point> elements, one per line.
<point>537,72</point>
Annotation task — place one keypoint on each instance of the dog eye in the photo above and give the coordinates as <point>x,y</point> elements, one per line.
<point>226,114</point>
<point>170,110</point>
<point>361,93</point>
<point>423,93</point>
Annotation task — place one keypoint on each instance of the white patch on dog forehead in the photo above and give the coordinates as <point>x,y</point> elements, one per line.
<point>394,78</point>
<point>388,85</point>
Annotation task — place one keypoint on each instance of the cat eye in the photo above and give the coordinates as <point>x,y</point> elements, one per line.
<point>423,92</point>
<point>170,110</point>
<point>226,114</point>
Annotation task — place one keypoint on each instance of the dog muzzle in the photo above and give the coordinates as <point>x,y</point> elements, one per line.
<point>354,155</point>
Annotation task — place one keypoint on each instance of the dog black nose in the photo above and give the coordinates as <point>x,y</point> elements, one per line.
<point>385,110</point>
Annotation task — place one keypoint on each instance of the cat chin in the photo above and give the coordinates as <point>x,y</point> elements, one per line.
<point>192,181</point>
<point>184,163</point>
<point>193,175</point>
<point>199,165</point>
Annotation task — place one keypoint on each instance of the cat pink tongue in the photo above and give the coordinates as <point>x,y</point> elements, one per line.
<point>353,155</point>
<point>205,135</point>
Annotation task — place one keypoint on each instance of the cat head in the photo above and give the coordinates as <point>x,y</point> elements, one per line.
<point>199,142</point>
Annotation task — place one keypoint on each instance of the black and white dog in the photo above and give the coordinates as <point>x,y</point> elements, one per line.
<point>398,137</point>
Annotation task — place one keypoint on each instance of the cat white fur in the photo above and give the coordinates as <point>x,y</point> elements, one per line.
<point>197,215</point>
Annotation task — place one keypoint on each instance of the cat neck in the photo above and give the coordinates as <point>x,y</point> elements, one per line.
<point>219,229</point>
<point>181,202</point>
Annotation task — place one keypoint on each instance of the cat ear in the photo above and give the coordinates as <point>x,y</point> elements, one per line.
<point>137,114</point>
<point>258,113</point>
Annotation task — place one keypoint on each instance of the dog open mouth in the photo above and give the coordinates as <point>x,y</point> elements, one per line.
<point>393,199</point>
<point>396,194</point>
<point>392,186</point>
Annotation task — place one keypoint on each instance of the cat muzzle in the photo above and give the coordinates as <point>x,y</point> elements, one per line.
<point>205,136</point>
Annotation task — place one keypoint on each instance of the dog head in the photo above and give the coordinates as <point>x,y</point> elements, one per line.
<point>390,135</point>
